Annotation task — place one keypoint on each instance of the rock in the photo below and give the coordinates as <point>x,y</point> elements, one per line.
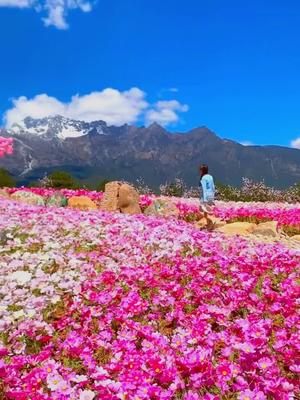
<point>120,197</point>
<point>210,223</point>
<point>216,222</point>
<point>4,194</point>
<point>163,208</point>
<point>110,197</point>
<point>128,200</point>
<point>83,203</point>
<point>57,200</point>
<point>266,229</point>
<point>237,228</point>
<point>28,198</point>
<point>296,237</point>
<point>204,223</point>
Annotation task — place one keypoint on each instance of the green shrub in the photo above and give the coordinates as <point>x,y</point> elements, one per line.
<point>101,185</point>
<point>6,179</point>
<point>227,192</point>
<point>176,188</point>
<point>62,180</point>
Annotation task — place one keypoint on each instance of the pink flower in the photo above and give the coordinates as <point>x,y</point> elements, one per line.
<point>251,395</point>
<point>224,371</point>
<point>264,363</point>
<point>87,395</point>
<point>295,368</point>
<point>55,382</point>
<point>6,146</point>
<point>166,310</point>
<point>191,396</point>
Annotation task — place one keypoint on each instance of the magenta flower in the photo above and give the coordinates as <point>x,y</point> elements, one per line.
<point>107,306</point>
<point>251,395</point>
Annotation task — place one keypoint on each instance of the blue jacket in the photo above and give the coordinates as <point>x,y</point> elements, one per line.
<point>207,185</point>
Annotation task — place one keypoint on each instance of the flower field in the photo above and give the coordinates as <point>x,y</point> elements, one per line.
<point>287,215</point>
<point>99,305</point>
<point>93,195</point>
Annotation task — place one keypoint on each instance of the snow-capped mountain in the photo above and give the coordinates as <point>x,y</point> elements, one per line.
<point>95,151</point>
<point>57,126</point>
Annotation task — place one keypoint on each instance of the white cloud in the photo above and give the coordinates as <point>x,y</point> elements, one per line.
<point>16,3</point>
<point>247,143</point>
<point>110,105</point>
<point>295,143</point>
<point>56,10</point>
<point>56,15</point>
<point>165,112</point>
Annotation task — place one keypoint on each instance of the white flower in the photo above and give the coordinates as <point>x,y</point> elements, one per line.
<point>31,313</point>
<point>55,382</point>
<point>87,395</point>
<point>79,378</point>
<point>21,277</point>
<point>101,371</point>
<point>18,314</point>
<point>55,299</point>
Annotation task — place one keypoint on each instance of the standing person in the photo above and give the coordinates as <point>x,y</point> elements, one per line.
<point>207,188</point>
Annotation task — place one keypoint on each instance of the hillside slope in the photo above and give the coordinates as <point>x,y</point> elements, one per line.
<point>94,151</point>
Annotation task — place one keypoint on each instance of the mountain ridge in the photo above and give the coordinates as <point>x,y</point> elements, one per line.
<point>94,151</point>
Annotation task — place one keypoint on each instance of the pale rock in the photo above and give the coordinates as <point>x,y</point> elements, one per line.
<point>110,197</point>
<point>163,208</point>
<point>267,229</point>
<point>4,194</point>
<point>216,222</point>
<point>28,198</point>
<point>83,203</point>
<point>204,223</point>
<point>237,228</point>
<point>296,237</point>
<point>128,200</point>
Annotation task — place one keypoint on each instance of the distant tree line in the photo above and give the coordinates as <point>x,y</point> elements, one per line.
<point>249,190</point>
<point>57,180</point>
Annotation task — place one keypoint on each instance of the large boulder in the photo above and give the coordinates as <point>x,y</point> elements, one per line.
<point>4,194</point>
<point>120,197</point>
<point>57,200</point>
<point>28,198</point>
<point>109,201</point>
<point>237,228</point>
<point>128,200</point>
<point>296,238</point>
<point>204,223</point>
<point>216,222</point>
<point>83,203</point>
<point>269,228</point>
<point>162,208</point>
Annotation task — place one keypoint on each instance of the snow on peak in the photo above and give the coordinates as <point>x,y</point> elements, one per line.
<point>57,126</point>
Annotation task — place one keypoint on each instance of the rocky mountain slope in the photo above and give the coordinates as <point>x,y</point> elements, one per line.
<point>94,151</point>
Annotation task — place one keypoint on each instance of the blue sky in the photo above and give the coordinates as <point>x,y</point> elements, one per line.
<point>233,66</point>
